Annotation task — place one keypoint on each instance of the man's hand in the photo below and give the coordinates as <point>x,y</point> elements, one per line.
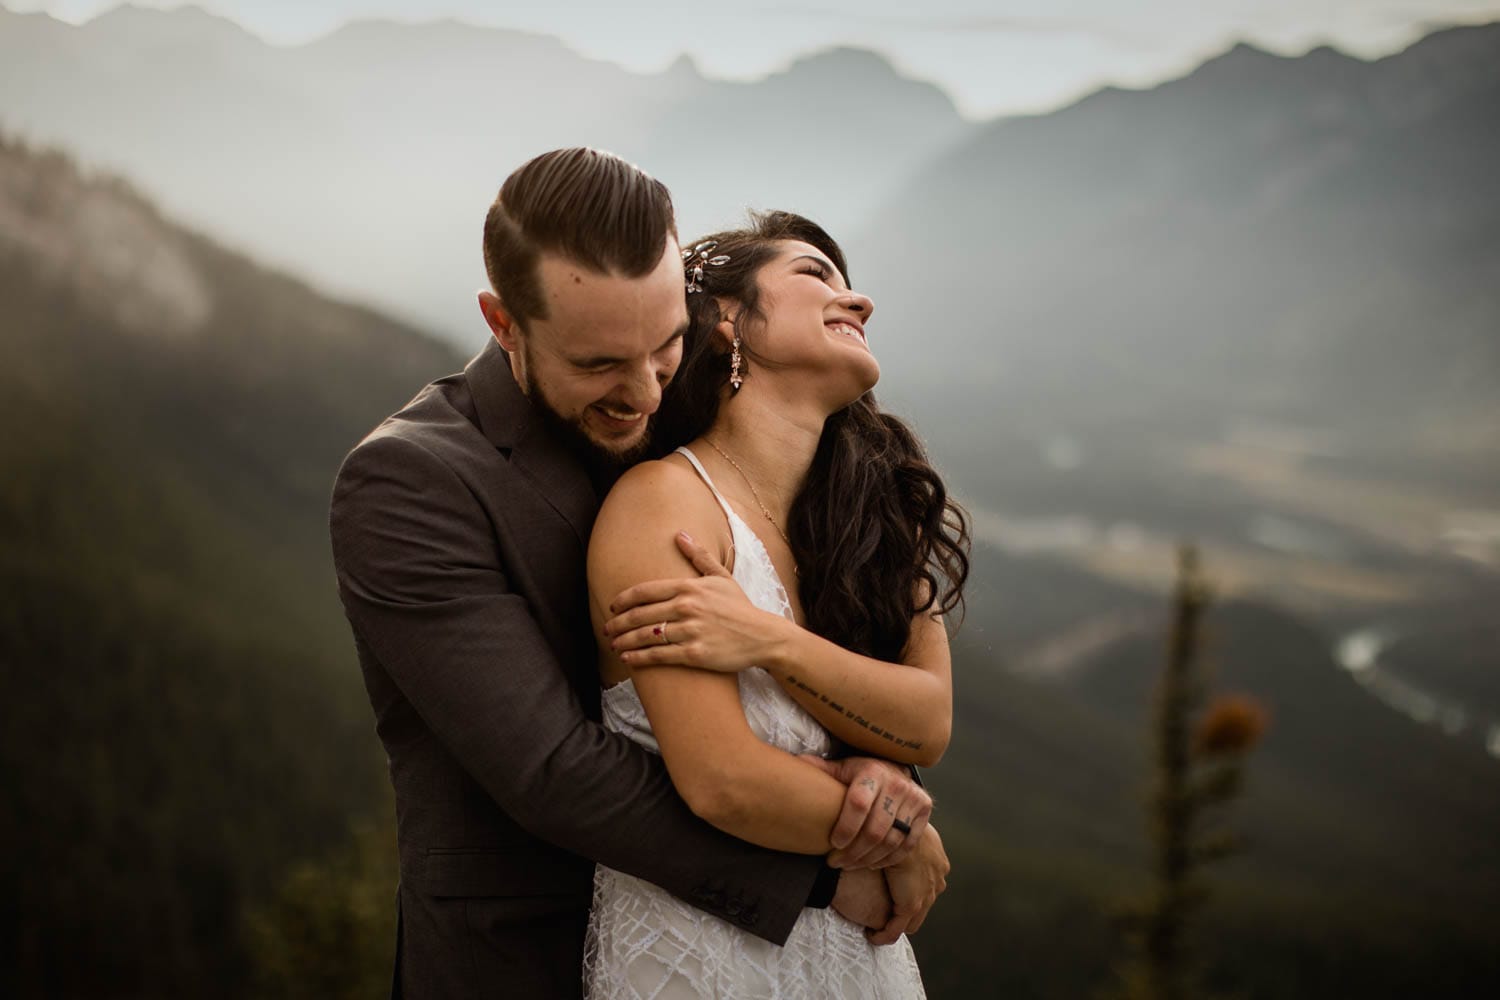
<point>880,793</point>
<point>706,622</point>
<point>862,897</point>
<point>915,885</point>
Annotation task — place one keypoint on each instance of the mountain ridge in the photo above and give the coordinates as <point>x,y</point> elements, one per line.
<point>1219,224</point>
<point>315,133</point>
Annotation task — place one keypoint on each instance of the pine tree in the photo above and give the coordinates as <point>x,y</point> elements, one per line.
<point>1198,765</point>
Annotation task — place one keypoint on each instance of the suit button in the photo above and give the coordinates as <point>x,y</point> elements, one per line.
<point>710,893</point>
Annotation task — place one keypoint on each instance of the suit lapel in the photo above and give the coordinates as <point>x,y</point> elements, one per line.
<point>512,424</point>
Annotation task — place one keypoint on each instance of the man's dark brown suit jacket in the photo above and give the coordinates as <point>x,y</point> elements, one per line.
<point>459,531</point>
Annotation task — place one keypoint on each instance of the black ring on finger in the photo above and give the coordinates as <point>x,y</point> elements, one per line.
<point>903,826</point>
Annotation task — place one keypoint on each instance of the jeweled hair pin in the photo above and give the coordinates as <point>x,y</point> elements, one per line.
<point>694,260</point>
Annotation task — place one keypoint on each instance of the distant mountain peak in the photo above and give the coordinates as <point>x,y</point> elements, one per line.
<point>1477,43</point>
<point>844,58</point>
<point>1328,53</point>
<point>174,23</point>
<point>1245,66</point>
<point>1245,54</point>
<point>446,36</point>
<point>684,70</point>
<point>438,27</point>
<point>130,13</point>
<point>859,70</point>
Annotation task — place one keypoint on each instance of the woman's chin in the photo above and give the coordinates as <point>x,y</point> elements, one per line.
<point>858,386</point>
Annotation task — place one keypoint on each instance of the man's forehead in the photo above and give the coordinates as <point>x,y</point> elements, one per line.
<point>587,304</point>
<point>561,276</point>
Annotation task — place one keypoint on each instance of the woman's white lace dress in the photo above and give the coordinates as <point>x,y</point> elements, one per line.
<point>645,944</point>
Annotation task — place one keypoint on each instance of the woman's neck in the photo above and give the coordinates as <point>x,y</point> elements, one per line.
<point>773,446</point>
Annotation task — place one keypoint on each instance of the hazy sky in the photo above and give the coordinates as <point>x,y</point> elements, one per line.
<point>993,56</point>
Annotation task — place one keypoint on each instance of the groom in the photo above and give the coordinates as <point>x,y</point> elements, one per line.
<point>459,530</point>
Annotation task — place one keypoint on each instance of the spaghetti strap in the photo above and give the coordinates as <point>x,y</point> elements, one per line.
<point>703,474</point>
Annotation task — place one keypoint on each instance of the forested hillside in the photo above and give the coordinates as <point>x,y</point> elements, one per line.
<point>186,718</point>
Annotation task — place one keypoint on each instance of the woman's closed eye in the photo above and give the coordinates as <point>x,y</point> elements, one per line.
<point>823,271</point>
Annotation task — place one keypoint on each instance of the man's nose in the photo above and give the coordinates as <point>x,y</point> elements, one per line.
<point>643,392</point>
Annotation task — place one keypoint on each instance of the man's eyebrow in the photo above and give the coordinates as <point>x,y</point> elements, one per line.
<point>601,360</point>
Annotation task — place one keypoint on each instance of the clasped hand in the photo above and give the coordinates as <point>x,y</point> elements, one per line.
<point>916,870</point>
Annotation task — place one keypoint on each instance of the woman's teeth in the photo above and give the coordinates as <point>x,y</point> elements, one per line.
<point>846,329</point>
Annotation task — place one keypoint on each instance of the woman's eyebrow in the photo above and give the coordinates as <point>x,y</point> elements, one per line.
<point>832,271</point>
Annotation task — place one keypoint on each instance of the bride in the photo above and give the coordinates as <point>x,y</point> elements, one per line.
<point>841,536</point>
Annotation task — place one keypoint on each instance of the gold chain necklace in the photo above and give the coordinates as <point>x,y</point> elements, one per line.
<point>753,493</point>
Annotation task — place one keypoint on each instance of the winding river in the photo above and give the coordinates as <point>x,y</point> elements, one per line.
<point>1359,651</point>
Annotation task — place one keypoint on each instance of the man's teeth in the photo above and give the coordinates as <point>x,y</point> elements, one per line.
<point>627,415</point>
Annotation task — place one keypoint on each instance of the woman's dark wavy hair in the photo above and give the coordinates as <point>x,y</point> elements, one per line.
<point>876,537</point>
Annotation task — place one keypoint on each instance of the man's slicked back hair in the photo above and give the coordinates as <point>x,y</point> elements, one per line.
<point>585,205</point>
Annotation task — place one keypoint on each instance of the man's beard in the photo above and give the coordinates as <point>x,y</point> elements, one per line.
<point>603,465</point>
<point>578,441</point>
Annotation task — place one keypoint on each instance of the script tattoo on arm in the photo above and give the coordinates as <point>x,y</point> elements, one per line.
<point>875,730</point>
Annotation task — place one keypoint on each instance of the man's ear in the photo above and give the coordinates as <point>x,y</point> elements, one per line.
<point>500,321</point>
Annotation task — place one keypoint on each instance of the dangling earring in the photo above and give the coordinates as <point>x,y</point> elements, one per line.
<point>735,379</point>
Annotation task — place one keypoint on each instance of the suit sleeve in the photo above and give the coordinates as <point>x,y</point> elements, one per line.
<point>421,585</point>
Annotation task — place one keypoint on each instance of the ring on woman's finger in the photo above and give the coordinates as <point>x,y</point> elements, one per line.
<point>902,825</point>
<point>660,631</point>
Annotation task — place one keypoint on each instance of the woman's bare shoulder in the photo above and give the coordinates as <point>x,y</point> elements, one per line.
<point>661,497</point>
<point>647,486</point>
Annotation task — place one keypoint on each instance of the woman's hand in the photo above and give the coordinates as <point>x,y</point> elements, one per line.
<point>707,622</point>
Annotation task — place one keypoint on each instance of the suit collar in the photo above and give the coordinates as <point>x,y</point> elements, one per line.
<point>505,414</point>
<point>512,424</point>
